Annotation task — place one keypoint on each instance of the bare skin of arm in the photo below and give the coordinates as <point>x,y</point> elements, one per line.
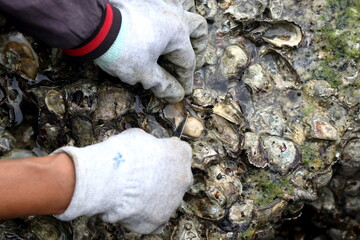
<point>36,186</point>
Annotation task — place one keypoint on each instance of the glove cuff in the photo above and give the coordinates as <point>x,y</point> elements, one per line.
<point>117,48</point>
<point>86,198</point>
<point>102,40</point>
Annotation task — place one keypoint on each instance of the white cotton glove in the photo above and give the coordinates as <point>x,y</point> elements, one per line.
<point>132,178</point>
<point>150,29</point>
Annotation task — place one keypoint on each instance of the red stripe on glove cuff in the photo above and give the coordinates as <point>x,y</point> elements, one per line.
<point>97,40</point>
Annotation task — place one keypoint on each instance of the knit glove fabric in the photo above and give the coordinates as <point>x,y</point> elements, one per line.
<point>132,178</point>
<point>150,29</point>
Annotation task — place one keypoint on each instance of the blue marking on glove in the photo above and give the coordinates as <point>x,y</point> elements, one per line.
<point>117,160</point>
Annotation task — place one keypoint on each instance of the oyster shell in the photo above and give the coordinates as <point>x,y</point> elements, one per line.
<point>254,152</point>
<point>241,212</point>
<point>81,97</point>
<point>203,154</point>
<point>18,153</point>
<point>55,102</point>
<point>193,127</point>
<point>230,110</point>
<point>233,61</point>
<point>282,154</point>
<point>223,186</point>
<point>350,155</point>
<point>175,113</point>
<point>283,34</point>
<point>276,8</point>
<point>258,82</point>
<point>17,55</point>
<point>226,133</point>
<point>203,208</point>
<point>321,128</point>
<point>245,10</point>
<point>279,33</point>
<point>320,91</point>
<point>82,128</point>
<point>203,97</point>
<point>255,77</point>
<point>188,228</point>
<point>112,102</point>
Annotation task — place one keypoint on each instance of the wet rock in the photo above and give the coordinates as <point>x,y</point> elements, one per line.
<point>46,228</point>
<point>18,153</point>
<point>350,96</point>
<point>320,91</point>
<point>51,136</point>
<point>326,200</point>
<point>7,142</point>
<point>351,153</point>
<point>210,55</point>
<point>254,83</point>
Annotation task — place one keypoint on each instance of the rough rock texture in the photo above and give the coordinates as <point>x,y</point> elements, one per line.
<point>278,98</point>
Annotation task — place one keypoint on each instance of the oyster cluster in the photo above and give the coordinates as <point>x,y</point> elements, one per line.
<point>269,135</point>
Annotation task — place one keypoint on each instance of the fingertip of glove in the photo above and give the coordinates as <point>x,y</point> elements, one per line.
<point>176,98</point>
<point>182,146</point>
<point>133,131</point>
<point>159,229</point>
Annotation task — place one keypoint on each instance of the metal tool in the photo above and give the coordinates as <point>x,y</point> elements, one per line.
<point>179,130</point>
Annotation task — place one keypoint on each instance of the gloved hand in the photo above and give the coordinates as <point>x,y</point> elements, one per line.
<point>132,178</point>
<point>152,28</point>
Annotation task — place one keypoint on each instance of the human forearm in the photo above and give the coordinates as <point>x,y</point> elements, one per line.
<point>36,186</point>
<point>60,23</point>
<point>84,29</point>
